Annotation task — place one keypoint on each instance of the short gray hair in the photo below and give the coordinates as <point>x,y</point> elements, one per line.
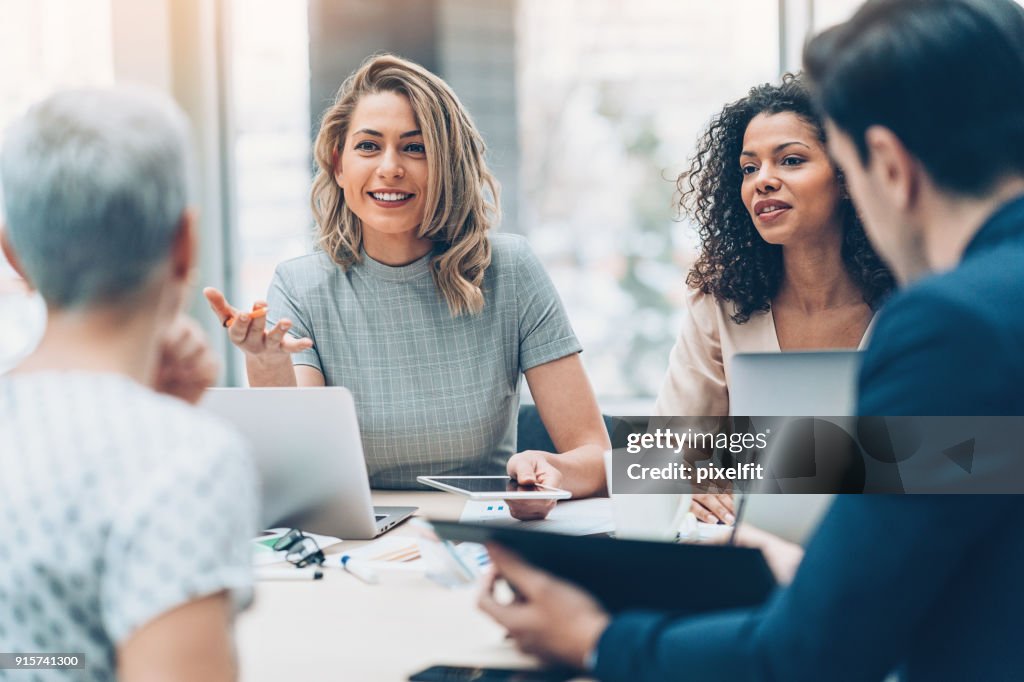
<point>95,184</point>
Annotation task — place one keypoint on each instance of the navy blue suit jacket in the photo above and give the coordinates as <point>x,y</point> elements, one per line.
<point>927,585</point>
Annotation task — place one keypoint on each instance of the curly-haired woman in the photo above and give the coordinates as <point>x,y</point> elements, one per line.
<point>413,305</point>
<point>784,263</point>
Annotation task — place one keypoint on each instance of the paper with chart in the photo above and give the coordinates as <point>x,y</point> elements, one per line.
<point>572,517</point>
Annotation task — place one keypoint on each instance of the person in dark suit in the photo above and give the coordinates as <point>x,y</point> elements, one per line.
<point>923,100</point>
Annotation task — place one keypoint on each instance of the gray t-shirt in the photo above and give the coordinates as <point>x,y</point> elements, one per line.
<point>435,394</point>
<point>116,505</point>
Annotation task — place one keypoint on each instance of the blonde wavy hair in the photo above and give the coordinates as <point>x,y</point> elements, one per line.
<point>458,210</point>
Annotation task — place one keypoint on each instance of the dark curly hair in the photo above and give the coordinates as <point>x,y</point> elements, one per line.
<point>735,263</point>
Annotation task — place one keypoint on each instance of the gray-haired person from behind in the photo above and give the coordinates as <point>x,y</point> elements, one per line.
<point>96,185</point>
<point>130,509</point>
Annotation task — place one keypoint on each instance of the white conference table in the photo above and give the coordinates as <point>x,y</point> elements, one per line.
<point>341,628</point>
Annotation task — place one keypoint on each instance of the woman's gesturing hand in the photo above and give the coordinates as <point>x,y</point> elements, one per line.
<point>246,329</point>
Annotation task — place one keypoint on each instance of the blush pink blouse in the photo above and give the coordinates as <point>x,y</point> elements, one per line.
<point>697,382</point>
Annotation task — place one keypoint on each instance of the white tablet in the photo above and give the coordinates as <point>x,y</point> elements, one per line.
<point>493,488</point>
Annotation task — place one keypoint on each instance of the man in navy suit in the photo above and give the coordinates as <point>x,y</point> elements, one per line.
<point>925,107</point>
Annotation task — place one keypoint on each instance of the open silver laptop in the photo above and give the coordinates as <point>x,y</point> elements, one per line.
<point>306,445</point>
<point>793,384</point>
<point>811,383</point>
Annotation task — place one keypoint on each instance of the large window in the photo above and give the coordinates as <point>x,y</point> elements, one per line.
<point>272,146</point>
<point>612,97</point>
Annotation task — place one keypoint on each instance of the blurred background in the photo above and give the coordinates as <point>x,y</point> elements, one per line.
<point>590,109</point>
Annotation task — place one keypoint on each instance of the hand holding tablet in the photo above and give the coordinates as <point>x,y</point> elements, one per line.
<point>493,488</point>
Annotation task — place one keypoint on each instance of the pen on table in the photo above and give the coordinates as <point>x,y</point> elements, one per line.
<point>739,516</point>
<point>287,574</point>
<point>356,568</point>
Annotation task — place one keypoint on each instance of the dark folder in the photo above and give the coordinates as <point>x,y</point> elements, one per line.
<point>634,574</point>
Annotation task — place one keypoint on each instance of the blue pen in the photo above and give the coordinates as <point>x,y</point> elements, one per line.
<point>356,568</point>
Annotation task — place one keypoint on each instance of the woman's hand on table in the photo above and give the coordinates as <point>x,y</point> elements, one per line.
<point>247,330</point>
<point>531,467</point>
<point>712,508</point>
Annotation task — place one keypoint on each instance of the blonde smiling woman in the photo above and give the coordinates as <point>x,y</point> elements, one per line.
<point>414,305</point>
